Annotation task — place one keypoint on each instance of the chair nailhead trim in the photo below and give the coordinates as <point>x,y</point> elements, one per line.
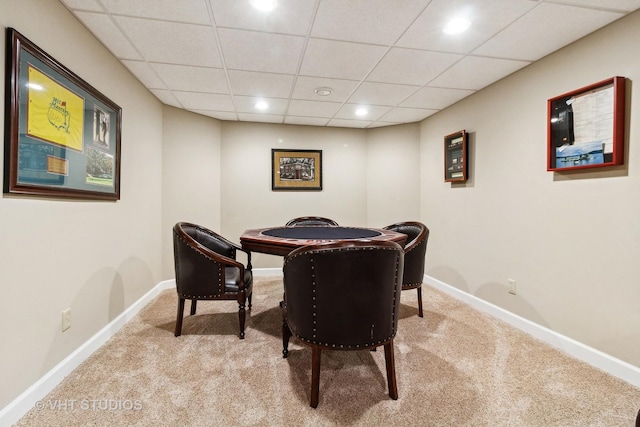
<point>313,293</point>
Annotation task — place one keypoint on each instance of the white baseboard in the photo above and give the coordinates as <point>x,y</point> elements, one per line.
<point>267,272</point>
<point>15,410</point>
<point>615,367</point>
<point>26,401</point>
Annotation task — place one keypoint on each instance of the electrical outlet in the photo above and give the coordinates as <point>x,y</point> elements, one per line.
<point>66,319</point>
<point>512,286</point>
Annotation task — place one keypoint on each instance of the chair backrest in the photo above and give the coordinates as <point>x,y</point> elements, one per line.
<point>344,295</point>
<point>310,220</point>
<point>197,254</point>
<point>415,249</point>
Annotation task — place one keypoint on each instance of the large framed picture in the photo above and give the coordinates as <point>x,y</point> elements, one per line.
<point>455,157</point>
<point>586,127</point>
<point>296,170</point>
<point>62,136</point>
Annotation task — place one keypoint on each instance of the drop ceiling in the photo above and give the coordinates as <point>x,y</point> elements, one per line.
<point>220,57</point>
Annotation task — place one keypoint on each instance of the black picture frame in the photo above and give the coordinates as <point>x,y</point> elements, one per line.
<point>296,170</point>
<point>455,157</point>
<point>62,136</point>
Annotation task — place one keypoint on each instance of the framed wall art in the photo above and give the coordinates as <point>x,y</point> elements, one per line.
<point>586,127</point>
<point>455,157</point>
<point>296,170</point>
<point>62,136</point>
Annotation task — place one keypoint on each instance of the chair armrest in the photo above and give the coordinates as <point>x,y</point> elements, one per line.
<point>248,255</point>
<point>239,248</point>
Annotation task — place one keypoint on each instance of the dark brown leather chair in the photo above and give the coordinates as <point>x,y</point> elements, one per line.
<point>415,250</point>
<point>343,296</point>
<point>207,269</point>
<point>310,220</point>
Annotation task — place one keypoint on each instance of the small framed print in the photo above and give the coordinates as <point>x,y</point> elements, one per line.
<point>296,170</point>
<point>586,127</point>
<point>455,157</point>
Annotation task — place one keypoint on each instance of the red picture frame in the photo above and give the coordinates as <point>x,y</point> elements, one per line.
<point>585,127</point>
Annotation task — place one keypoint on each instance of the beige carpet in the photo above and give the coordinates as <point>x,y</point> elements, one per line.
<point>455,367</point>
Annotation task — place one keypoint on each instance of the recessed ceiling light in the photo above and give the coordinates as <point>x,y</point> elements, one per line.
<point>323,91</point>
<point>264,5</point>
<point>456,26</point>
<point>261,105</point>
<point>362,112</point>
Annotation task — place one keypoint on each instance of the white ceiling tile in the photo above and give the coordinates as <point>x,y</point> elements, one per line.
<point>348,111</point>
<point>260,118</point>
<point>251,50</point>
<point>204,101</point>
<point>381,53</point>
<point>411,66</point>
<point>246,104</point>
<point>487,18</point>
<point>613,5</point>
<point>192,79</point>
<point>435,98</point>
<point>365,21</point>
<point>474,73</point>
<point>290,17</point>
<point>341,60</point>
<point>105,30</point>
<point>260,84</point>
<point>342,123</point>
<point>407,115</point>
<point>221,115</point>
<point>380,123</point>
<point>313,108</point>
<point>341,89</point>
<point>172,43</point>
<point>568,23</point>
<point>189,11</point>
<point>166,97</point>
<point>307,121</point>
<point>381,94</point>
<point>89,5</point>
<point>145,74</point>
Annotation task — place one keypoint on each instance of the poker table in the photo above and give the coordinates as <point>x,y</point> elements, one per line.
<point>282,240</point>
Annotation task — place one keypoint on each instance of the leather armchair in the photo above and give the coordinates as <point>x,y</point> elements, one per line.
<point>207,269</point>
<point>310,220</point>
<point>343,296</point>
<point>415,250</point>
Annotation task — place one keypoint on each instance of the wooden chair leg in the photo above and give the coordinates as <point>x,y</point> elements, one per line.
<point>316,354</point>
<point>249,298</point>
<point>194,303</point>
<point>286,332</point>
<point>391,370</point>
<point>178,331</point>
<point>241,318</point>
<point>420,301</point>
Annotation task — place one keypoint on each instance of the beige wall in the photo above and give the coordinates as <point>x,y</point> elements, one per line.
<point>190,175</point>
<point>393,175</point>
<point>247,199</point>
<point>95,257</point>
<point>570,240</point>
<point>362,172</point>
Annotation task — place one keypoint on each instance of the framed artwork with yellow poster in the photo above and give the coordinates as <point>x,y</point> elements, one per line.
<point>62,136</point>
